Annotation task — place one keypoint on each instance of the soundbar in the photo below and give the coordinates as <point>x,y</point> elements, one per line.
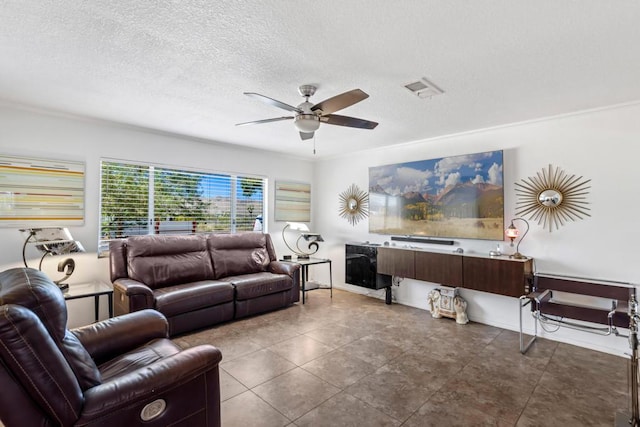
<point>422,240</point>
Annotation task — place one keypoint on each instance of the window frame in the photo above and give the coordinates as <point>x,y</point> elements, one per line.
<point>234,196</point>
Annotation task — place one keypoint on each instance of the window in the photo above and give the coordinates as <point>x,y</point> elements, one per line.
<point>147,199</point>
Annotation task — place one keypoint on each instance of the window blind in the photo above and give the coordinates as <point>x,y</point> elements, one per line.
<point>137,199</point>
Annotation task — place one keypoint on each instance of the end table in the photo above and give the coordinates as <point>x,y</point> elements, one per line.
<point>91,289</point>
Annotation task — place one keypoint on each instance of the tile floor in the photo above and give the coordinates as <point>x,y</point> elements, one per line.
<point>354,361</point>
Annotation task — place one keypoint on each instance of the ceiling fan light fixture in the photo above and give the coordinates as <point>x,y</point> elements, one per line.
<point>307,123</point>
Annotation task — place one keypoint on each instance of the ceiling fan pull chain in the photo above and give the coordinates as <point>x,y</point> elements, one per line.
<point>314,144</point>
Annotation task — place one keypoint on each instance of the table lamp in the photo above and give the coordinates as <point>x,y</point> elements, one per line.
<point>307,235</point>
<point>512,233</point>
<point>53,241</point>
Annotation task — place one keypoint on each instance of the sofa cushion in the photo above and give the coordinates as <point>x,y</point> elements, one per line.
<point>159,261</point>
<point>255,285</point>
<point>234,254</point>
<point>174,300</point>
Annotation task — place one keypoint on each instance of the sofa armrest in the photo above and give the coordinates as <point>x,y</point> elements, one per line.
<point>284,267</point>
<point>117,335</point>
<point>131,295</point>
<point>164,379</point>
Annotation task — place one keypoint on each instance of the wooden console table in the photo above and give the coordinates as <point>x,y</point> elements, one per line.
<point>499,275</point>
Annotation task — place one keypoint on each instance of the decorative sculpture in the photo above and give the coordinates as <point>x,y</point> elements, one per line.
<point>433,299</point>
<point>445,302</point>
<point>460,306</point>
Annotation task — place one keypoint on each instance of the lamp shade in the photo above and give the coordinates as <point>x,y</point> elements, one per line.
<point>298,226</point>
<point>512,232</point>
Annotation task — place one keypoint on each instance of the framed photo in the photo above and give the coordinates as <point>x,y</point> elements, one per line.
<point>459,196</point>
<point>40,192</point>
<point>292,201</point>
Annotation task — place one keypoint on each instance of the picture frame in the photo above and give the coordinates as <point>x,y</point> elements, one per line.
<point>292,201</point>
<point>41,192</point>
<point>453,197</point>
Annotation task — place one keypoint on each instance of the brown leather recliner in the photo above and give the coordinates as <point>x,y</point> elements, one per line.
<point>120,371</point>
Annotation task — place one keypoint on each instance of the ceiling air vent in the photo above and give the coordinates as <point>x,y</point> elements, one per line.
<point>423,88</point>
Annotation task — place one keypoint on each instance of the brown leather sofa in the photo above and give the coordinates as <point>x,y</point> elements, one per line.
<point>114,372</point>
<point>201,279</point>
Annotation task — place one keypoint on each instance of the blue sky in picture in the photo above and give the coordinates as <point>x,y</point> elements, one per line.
<point>434,175</point>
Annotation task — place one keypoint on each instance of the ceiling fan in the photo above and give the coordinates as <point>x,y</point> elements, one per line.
<point>308,116</point>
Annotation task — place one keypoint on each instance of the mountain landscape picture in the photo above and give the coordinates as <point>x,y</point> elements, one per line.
<point>458,196</point>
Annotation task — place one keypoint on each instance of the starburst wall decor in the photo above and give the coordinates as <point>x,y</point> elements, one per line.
<point>553,197</point>
<point>354,204</point>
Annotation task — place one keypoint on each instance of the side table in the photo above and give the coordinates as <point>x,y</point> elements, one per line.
<point>305,263</point>
<point>91,289</point>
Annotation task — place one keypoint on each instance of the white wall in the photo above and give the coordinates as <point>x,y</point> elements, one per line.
<point>24,132</point>
<point>603,146</point>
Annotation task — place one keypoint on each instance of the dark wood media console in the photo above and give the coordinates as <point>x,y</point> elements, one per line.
<point>498,275</point>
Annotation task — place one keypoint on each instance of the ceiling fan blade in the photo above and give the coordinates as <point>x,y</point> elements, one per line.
<point>273,102</point>
<point>304,135</point>
<point>341,101</point>
<point>334,119</point>
<point>257,122</point>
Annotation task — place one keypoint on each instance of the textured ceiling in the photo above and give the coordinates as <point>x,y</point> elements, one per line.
<point>182,66</point>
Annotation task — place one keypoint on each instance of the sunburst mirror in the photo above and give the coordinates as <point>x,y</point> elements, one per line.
<point>553,197</point>
<point>354,204</point>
